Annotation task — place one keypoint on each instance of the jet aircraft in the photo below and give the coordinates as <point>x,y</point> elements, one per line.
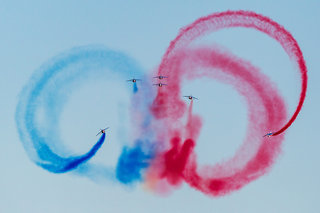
<point>134,80</point>
<point>190,97</point>
<point>159,85</point>
<point>160,77</point>
<point>268,134</point>
<point>102,131</point>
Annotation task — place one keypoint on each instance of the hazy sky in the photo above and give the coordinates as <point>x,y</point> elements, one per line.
<point>32,32</point>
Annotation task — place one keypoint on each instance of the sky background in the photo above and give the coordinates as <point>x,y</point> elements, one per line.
<point>32,32</point>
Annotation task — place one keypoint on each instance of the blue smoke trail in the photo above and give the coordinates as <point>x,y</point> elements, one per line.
<point>46,91</point>
<point>135,87</point>
<point>134,160</point>
<point>66,164</point>
<point>131,163</point>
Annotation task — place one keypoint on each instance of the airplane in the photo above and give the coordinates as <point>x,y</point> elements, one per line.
<point>190,97</point>
<point>102,131</point>
<point>134,80</point>
<point>268,134</point>
<point>159,85</point>
<point>160,77</point>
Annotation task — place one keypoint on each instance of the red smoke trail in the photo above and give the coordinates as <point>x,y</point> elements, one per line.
<point>246,19</point>
<point>193,120</point>
<point>266,109</point>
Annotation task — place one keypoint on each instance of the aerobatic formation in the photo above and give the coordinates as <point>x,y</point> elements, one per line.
<point>163,156</point>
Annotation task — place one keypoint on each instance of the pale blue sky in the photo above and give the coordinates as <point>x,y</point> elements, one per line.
<point>32,32</point>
